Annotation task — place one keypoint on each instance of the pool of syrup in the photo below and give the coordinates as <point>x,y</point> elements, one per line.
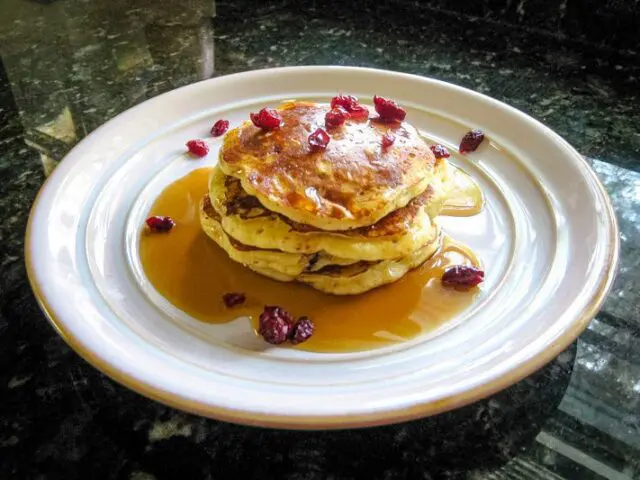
<point>465,198</point>
<point>193,273</point>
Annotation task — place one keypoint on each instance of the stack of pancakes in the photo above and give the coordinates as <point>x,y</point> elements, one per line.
<point>344,220</point>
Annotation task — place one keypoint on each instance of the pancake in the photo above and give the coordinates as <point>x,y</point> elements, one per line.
<point>323,272</point>
<point>286,266</point>
<point>360,277</point>
<point>396,235</point>
<point>352,183</point>
<point>364,276</point>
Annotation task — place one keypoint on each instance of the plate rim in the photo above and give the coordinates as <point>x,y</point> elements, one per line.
<point>392,415</point>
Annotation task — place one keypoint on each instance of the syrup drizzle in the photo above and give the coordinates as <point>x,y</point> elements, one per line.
<point>465,197</point>
<point>193,273</point>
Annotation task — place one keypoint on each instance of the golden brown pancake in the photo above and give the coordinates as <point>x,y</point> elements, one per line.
<point>353,183</point>
<point>238,202</point>
<point>322,271</point>
<point>286,265</point>
<point>396,235</point>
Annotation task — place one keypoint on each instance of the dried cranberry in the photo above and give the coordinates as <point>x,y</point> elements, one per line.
<point>219,128</point>
<point>348,102</point>
<point>440,151</point>
<point>267,119</point>
<point>336,117</point>
<point>302,330</point>
<point>319,139</point>
<point>388,110</point>
<point>471,141</point>
<point>359,112</point>
<point>461,276</point>
<point>198,147</point>
<point>275,325</point>
<point>160,224</point>
<point>388,139</point>
<point>232,299</point>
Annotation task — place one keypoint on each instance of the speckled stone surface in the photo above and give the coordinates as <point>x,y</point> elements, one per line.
<point>67,66</point>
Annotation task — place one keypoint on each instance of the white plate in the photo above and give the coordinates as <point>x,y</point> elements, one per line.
<point>548,238</point>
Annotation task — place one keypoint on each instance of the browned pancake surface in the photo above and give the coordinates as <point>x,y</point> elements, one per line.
<point>354,180</point>
<point>238,202</point>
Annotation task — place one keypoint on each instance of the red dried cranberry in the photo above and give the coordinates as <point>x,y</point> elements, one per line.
<point>471,141</point>
<point>461,276</point>
<point>219,128</point>
<point>319,139</point>
<point>440,151</point>
<point>388,110</point>
<point>275,325</point>
<point>232,299</point>
<point>198,147</point>
<point>359,112</point>
<point>336,117</point>
<point>348,102</point>
<point>160,224</point>
<point>302,330</point>
<point>267,119</point>
<point>388,139</point>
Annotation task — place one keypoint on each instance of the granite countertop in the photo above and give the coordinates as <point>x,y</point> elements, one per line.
<point>67,66</point>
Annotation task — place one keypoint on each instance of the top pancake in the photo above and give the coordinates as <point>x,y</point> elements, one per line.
<point>351,184</point>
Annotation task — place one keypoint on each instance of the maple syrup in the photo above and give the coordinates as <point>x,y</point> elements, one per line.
<point>465,197</point>
<point>193,273</point>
